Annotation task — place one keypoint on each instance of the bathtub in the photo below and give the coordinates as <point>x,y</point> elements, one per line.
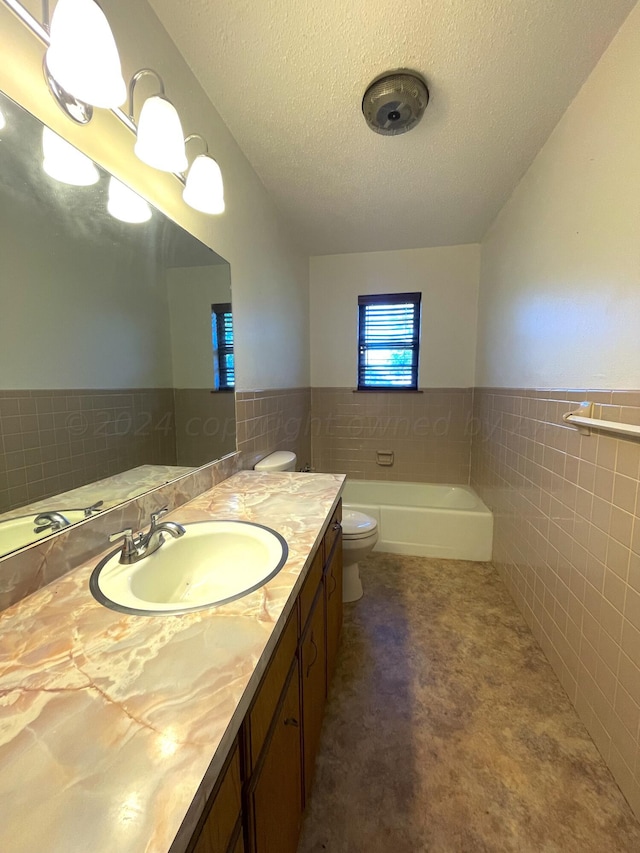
<point>423,519</point>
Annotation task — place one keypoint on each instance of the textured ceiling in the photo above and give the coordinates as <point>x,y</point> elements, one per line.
<point>288,77</point>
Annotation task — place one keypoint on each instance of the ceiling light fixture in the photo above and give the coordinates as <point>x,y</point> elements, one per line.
<point>82,56</point>
<point>204,189</point>
<point>65,163</point>
<point>395,102</point>
<point>124,204</point>
<point>160,141</point>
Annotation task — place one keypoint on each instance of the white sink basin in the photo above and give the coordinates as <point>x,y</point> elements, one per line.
<point>20,531</point>
<point>213,563</point>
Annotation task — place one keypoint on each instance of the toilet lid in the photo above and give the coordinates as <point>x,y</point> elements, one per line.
<point>357,525</point>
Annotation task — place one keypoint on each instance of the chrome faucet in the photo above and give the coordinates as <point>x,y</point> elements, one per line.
<point>50,521</point>
<point>138,547</point>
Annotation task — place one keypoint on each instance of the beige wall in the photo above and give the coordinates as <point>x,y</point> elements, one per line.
<point>75,312</point>
<point>192,291</point>
<point>428,433</point>
<point>448,279</point>
<point>560,280</point>
<point>559,308</point>
<point>269,273</point>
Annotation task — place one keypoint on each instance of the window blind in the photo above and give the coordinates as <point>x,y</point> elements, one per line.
<point>222,329</point>
<point>388,340</point>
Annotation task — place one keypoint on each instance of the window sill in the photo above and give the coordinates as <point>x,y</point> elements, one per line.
<point>387,391</point>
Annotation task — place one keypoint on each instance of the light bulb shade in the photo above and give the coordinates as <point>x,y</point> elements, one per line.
<point>3,121</point>
<point>65,163</point>
<point>82,55</point>
<point>204,190</point>
<point>160,141</point>
<point>126,205</point>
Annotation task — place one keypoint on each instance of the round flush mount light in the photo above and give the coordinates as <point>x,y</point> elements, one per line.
<point>395,102</point>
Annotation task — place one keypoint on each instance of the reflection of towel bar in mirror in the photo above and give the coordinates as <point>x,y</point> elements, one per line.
<point>583,419</point>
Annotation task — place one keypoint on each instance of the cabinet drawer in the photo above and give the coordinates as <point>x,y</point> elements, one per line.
<point>270,689</point>
<point>310,588</point>
<point>333,531</point>
<point>224,814</point>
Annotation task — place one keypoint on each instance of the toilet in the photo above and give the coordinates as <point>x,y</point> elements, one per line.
<point>281,460</point>
<point>359,531</point>
<point>359,536</point>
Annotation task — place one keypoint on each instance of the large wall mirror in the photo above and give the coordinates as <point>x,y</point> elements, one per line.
<point>116,339</point>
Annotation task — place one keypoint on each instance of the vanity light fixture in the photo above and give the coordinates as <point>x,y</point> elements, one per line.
<point>160,141</point>
<point>82,70</point>
<point>204,190</point>
<point>65,163</point>
<point>3,121</point>
<point>82,57</point>
<point>126,205</point>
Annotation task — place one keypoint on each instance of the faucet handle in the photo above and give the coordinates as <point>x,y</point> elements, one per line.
<point>129,549</point>
<point>125,534</point>
<point>156,515</point>
<point>89,510</point>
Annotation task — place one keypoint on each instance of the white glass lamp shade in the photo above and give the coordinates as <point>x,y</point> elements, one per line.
<point>82,55</point>
<point>126,205</point>
<point>204,190</point>
<point>3,121</point>
<point>160,141</point>
<point>65,163</point>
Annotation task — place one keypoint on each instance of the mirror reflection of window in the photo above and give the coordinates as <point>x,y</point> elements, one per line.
<point>222,337</point>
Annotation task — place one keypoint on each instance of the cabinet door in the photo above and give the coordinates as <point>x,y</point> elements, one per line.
<point>238,847</point>
<point>333,593</point>
<point>276,790</point>
<point>314,686</point>
<point>224,813</point>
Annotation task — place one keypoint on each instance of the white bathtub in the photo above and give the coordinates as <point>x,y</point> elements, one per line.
<point>424,520</point>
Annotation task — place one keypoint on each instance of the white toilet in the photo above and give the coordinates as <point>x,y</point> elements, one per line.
<point>359,531</point>
<point>359,536</point>
<point>281,460</point>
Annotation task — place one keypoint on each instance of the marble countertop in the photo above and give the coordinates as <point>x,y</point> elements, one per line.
<point>113,728</point>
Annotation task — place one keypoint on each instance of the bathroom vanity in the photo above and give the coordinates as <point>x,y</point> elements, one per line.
<point>258,802</point>
<point>195,732</point>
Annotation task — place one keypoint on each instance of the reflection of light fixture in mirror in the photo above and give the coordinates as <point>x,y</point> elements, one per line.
<point>3,121</point>
<point>204,190</point>
<point>160,141</point>
<point>82,56</point>
<point>65,163</point>
<point>126,205</point>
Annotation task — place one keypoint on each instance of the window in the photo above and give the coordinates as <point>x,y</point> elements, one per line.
<point>222,334</point>
<point>388,341</point>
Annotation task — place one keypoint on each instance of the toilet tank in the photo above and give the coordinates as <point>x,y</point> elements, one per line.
<point>281,460</point>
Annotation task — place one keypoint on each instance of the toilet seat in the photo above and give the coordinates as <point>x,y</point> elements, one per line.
<point>357,525</point>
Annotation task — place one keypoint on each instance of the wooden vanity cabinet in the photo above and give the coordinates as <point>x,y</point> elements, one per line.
<point>313,683</point>
<point>237,845</point>
<point>279,738</point>
<point>333,592</point>
<point>222,822</point>
<point>274,802</point>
